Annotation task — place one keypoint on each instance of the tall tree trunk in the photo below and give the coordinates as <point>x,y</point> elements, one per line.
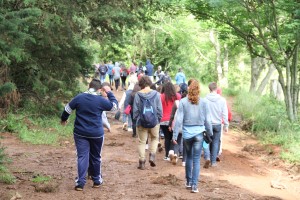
<point>215,41</point>
<point>257,66</point>
<point>224,81</point>
<point>265,81</point>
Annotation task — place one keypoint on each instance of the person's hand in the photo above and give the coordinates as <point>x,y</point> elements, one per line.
<point>226,129</point>
<point>170,128</point>
<point>106,88</point>
<point>174,142</point>
<point>103,93</point>
<point>64,123</point>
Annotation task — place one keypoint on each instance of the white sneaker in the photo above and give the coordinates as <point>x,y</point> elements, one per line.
<point>147,147</point>
<point>129,130</point>
<point>183,164</point>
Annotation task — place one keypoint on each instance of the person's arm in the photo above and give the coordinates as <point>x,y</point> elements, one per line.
<point>159,107</point>
<point>207,120</point>
<point>174,108</point>
<point>136,105</point>
<point>110,104</point>
<point>122,100</point>
<point>178,122</point>
<point>67,111</point>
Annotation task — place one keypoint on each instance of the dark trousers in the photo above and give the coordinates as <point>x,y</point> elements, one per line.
<point>88,151</point>
<point>133,125</point>
<point>117,83</point>
<point>123,79</point>
<point>111,80</point>
<point>168,139</point>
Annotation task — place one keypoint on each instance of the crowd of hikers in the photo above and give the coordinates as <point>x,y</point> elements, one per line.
<point>153,109</point>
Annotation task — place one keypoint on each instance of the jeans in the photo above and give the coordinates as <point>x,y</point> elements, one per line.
<point>102,77</point>
<point>111,80</point>
<point>179,148</point>
<point>214,146</point>
<point>143,136</point>
<point>206,153</point>
<point>193,148</point>
<point>127,119</point>
<point>88,151</point>
<point>168,139</point>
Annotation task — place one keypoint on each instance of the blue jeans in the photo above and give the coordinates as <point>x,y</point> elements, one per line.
<point>193,148</point>
<point>88,149</point>
<point>214,146</point>
<point>102,77</point>
<point>127,119</point>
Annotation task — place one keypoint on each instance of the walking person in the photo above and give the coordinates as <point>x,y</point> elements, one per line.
<point>116,72</point>
<point>147,111</point>
<point>168,97</point>
<point>219,113</point>
<point>194,118</point>
<point>88,130</point>
<point>180,77</point>
<point>124,73</point>
<point>149,69</point>
<point>110,67</point>
<point>103,70</point>
<point>179,149</point>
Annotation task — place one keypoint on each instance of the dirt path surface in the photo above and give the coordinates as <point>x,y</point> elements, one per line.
<point>246,171</point>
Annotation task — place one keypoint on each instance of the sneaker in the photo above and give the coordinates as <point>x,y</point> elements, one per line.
<point>166,158</point>
<point>206,164</point>
<point>174,159</point>
<point>183,164</point>
<point>213,164</point>
<point>180,157</point>
<point>97,185</point>
<point>129,130</point>
<point>78,187</point>
<point>146,147</point>
<point>125,127</point>
<point>188,185</point>
<point>194,189</point>
<point>218,159</point>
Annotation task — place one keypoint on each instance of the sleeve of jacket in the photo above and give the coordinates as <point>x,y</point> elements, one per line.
<point>207,122</point>
<point>225,113</point>
<point>110,104</point>
<point>136,105</point>
<point>159,107</point>
<point>178,120</point>
<point>68,109</point>
<point>174,108</point>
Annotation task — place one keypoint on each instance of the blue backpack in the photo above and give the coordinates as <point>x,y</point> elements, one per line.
<point>148,113</point>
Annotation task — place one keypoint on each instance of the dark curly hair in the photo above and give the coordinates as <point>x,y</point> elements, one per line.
<point>170,93</point>
<point>145,81</point>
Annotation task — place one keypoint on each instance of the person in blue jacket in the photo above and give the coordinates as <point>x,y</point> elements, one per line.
<point>180,77</point>
<point>149,69</point>
<point>88,129</point>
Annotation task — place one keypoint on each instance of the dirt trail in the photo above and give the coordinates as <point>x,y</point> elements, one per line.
<point>246,171</point>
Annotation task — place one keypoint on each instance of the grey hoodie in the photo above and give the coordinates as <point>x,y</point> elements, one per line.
<point>136,105</point>
<point>218,109</point>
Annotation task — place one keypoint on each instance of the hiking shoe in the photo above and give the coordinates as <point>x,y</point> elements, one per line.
<point>78,187</point>
<point>188,185</point>
<point>125,127</point>
<point>206,164</point>
<point>194,189</point>
<point>166,158</point>
<point>218,159</point>
<point>174,159</point>
<point>97,185</point>
<point>213,164</point>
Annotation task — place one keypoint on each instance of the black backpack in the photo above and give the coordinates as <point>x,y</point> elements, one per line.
<point>102,69</point>
<point>148,113</point>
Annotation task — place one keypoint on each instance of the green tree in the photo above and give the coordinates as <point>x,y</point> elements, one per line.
<point>271,29</point>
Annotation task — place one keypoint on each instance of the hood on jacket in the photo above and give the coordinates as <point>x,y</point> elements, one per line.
<point>147,95</point>
<point>213,97</point>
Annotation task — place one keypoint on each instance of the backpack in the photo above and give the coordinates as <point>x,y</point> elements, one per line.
<point>102,69</point>
<point>148,113</point>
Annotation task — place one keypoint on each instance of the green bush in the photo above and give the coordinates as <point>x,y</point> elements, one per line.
<point>5,175</point>
<point>269,123</point>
